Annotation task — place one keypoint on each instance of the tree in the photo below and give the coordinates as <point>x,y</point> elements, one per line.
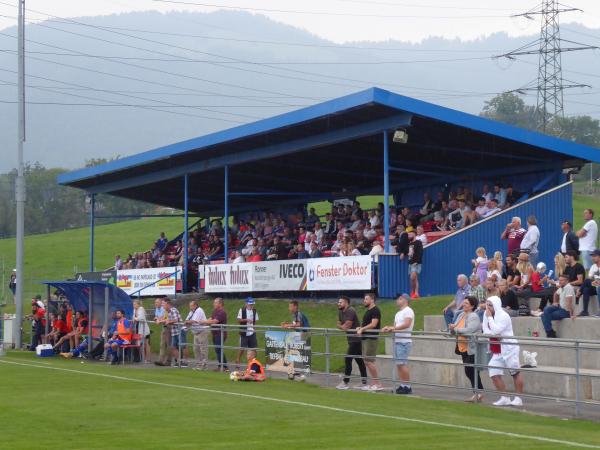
<point>509,108</point>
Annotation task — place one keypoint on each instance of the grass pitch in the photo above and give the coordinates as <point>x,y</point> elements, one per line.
<point>58,404</point>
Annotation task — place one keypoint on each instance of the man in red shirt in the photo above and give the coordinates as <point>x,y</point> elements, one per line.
<point>38,323</point>
<point>514,233</point>
<point>59,329</point>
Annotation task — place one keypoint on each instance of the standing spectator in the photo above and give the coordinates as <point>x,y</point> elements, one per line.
<point>453,308</point>
<point>369,330</point>
<point>574,271</point>
<point>421,235</point>
<point>468,323</point>
<point>514,233</point>
<point>38,320</point>
<point>118,262</point>
<point>510,302</point>
<point>12,283</point>
<point>140,326</point>
<point>415,260</point>
<point>247,317</point>
<point>348,321</point>
<point>570,241</point>
<point>531,240</point>
<point>587,238</point>
<point>591,284</point>
<point>400,241</point>
<point>404,322</point>
<point>219,334</point>
<point>562,306</point>
<point>505,352</point>
<point>196,320</point>
<point>177,332</point>
<point>480,264</point>
<point>299,320</point>
<point>162,242</point>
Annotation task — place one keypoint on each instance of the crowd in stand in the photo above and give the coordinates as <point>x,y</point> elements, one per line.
<point>347,230</point>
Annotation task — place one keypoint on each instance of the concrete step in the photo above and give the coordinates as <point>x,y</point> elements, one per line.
<point>534,304</point>
<point>450,371</point>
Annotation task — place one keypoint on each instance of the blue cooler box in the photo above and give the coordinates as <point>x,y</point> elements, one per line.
<point>44,350</point>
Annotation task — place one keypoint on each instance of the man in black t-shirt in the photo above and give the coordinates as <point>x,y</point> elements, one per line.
<point>510,302</point>
<point>510,273</point>
<point>348,321</point>
<point>574,270</point>
<point>415,259</point>
<point>369,330</point>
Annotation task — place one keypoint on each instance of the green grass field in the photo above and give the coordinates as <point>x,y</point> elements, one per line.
<point>58,404</point>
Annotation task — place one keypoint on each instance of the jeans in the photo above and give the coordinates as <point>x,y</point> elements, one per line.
<point>533,259</point>
<point>355,352</point>
<point>587,290</point>
<point>586,259</point>
<point>450,316</point>
<point>553,313</point>
<point>219,349</point>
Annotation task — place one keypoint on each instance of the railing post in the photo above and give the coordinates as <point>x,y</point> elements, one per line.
<point>221,350</point>
<point>327,360</point>
<point>577,380</point>
<point>179,349</point>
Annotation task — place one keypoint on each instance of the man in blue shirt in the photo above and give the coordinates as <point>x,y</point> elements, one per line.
<point>162,242</point>
<point>454,307</point>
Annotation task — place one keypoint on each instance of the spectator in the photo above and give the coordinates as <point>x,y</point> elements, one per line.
<point>312,217</point>
<point>219,334</point>
<point>196,320</point>
<point>514,233</point>
<point>587,238</point>
<point>574,271</point>
<point>255,255</point>
<point>178,333</point>
<point>421,235</point>
<point>531,240</point>
<point>348,321</point>
<point>369,330</point>
<point>525,269</point>
<point>12,283</point>
<point>537,288</point>
<point>74,336</point>
<point>453,308</point>
<point>140,326</point>
<point>500,195</point>
<point>118,262</point>
<point>510,302</point>
<point>505,352</point>
<point>299,320</point>
<point>401,241</point>
<point>404,322</point>
<point>511,274</point>
<point>468,323</point>
<point>160,318</point>
<point>319,232</point>
<point>330,224</point>
<point>254,371</point>
<point>476,289</point>
<point>38,320</point>
<point>376,250</point>
<point>314,251</point>
<point>238,257</point>
<point>480,264</point>
<point>415,260</point>
<point>486,194</point>
<point>590,284</point>
<point>481,210</point>
<point>58,329</point>
<point>512,196</point>
<point>162,242</point>
<point>121,336</point>
<point>562,306</point>
<point>490,288</point>
<point>570,241</point>
<point>493,271</point>
<point>247,317</point>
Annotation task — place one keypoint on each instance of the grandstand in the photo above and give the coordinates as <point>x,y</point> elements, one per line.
<point>264,174</point>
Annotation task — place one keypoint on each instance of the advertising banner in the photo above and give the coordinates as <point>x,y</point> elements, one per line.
<point>109,276</point>
<point>228,278</point>
<point>287,351</point>
<point>336,274</point>
<point>279,275</point>
<point>132,280</point>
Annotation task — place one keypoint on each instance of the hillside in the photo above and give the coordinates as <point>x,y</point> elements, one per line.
<point>59,255</point>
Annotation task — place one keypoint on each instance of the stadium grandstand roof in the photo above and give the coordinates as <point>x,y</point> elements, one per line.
<point>330,150</point>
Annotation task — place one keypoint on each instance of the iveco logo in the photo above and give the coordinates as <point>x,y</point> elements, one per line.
<point>311,275</point>
<point>291,271</point>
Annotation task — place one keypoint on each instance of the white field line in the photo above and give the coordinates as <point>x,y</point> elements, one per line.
<point>316,406</point>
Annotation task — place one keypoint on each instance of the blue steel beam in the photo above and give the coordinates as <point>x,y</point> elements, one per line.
<point>226,212</point>
<point>285,148</point>
<point>92,223</point>
<point>185,230</point>
<point>386,192</point>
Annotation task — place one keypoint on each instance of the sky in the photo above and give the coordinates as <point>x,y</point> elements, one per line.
<point>342,20</point>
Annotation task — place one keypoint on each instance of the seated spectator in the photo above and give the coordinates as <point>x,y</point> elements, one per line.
<point>118,262</point>
<point>255,256</point>
<point>493,271</point>
<point>254,371</point>
<point>162,242</point>
<point>476,289</point>
<point>511,274</point>
<point>238,257</point>
<point>373,219</point>
<point>562,305</point>
<point>298,252</point>
<point>74,337</point>
<point>512,196</point>
<point>510,302</point>
<point>454,307</point>
<point>491,289</point>
<point>537,288</point>
<point>421,234</point>
<point>121,336</point>
<point>58,330</point>
<point>352,250</point>
<point>500,195</point>
<point>312,217</point>
<point>590,284</point>
<point>314,251</point>
<point>493,208</point>
<point>486,194</point>
<point>481,210</point>
<point>376,250</point>
<point>525,269</point>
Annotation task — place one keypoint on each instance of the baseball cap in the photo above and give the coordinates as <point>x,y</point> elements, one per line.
<point>596,253</point>
<point>250,301</point>
<point>567,222</point>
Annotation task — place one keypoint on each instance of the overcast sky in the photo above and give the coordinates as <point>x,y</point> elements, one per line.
<point>344,20</point>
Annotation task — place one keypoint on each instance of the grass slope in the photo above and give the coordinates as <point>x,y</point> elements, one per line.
<point>137,410</point>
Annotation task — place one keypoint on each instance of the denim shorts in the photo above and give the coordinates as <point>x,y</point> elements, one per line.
<point>401,352</point>
<point>414,268</point>
<point>179,338</point>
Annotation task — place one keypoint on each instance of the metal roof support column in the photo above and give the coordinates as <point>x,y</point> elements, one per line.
<point>185,232</point>
<point>386,192</point>
<point>92,220</point>
<point>90,342</point>
<point>226,214</point>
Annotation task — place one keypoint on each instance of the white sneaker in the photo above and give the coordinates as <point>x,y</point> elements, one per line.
<point>503,401</point>
<point>536,313</point>
<point>517,401</point>
<point>376,388</point>
<point>342,386</point>
<point>365,387</point>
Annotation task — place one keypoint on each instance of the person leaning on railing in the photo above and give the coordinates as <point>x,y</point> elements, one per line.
<point>466,324</point>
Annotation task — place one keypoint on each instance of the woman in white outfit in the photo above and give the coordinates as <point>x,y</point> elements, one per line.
<point>142,328</point>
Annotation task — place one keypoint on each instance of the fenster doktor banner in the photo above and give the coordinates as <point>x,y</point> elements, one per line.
<point>132,280</point>
<point>343,273</point>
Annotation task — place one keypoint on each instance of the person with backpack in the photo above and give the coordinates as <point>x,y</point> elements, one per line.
<point>299,320</point>
<point>247,318</point>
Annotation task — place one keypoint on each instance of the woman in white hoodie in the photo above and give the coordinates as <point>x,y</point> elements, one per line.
<point>504,349</point>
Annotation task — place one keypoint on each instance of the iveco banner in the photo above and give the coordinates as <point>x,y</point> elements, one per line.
<point>279,275</point>
<point>336,274</point>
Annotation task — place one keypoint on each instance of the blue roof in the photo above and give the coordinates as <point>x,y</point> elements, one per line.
<point>347,126</point>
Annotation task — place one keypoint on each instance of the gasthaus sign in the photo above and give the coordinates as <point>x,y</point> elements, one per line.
<point>344,273</point>
<point>279,275</point>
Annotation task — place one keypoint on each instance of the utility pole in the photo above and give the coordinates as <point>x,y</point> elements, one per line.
<point>20,181</point>
<point>550,83</point>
